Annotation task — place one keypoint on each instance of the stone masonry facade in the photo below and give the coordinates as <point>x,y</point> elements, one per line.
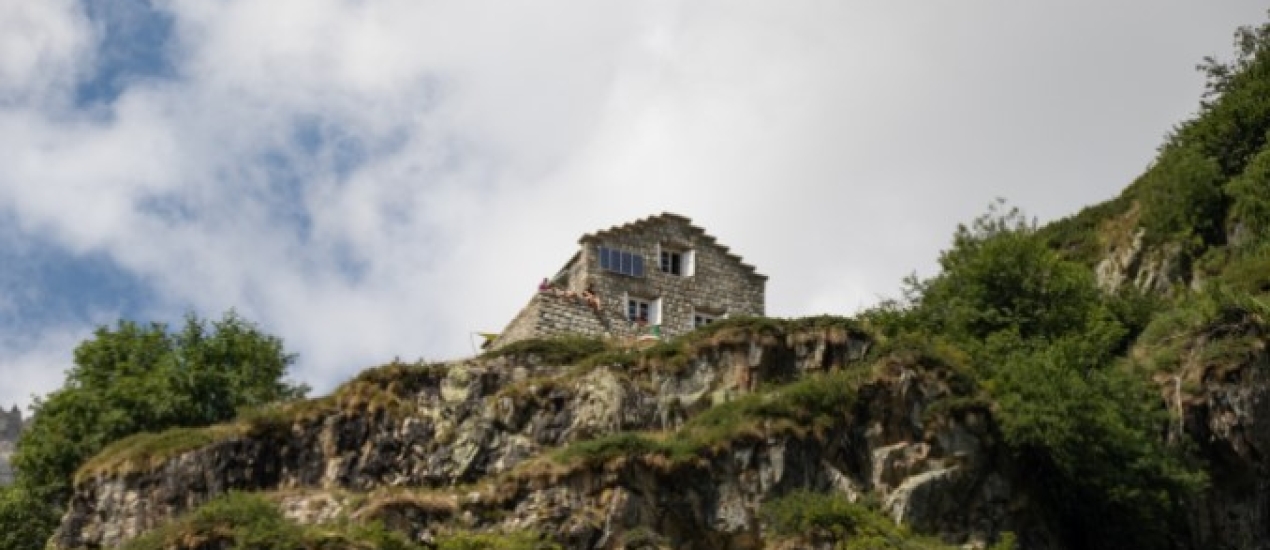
<point>660,276</point>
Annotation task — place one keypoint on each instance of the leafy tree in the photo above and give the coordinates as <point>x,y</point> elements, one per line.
<point>1044,343</point>
<point>1250,193</point>
<point>1182,198</point>
<point>26,519</point>
<point>1235,113</point>
<point>134,378</point>
<point>1089,437</point>
<point>999,276</point>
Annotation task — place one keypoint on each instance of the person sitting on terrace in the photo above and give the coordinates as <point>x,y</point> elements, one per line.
<point>590,297</point>
<point>545,285</point>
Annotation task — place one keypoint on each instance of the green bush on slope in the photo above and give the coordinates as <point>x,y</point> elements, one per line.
<point>135,378</point>
<point>1044,344</point>
<point>830,517</point>
<point>809,405</point>
<point>250,521</point>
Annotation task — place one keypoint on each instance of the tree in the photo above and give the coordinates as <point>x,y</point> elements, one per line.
<point>1250,193</point>
<point>26,520</point>
<point>135,378</point>
<point>1044,341</point>
<point>1182,198</point>
<point>999,276</point>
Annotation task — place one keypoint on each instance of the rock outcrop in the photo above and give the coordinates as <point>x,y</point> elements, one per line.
<point>1223,408</point>
<point>475,445</point>
<point>10,428</point>
<point>585,455</point>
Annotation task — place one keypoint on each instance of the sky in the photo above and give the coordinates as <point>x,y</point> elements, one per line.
<point>378,179</point>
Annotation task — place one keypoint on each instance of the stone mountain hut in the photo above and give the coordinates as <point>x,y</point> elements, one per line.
<point>653,278</point>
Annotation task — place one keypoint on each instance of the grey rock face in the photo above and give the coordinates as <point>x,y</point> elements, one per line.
<point>486,424</point>
<point>10,429</point>
<point>1227,419</point>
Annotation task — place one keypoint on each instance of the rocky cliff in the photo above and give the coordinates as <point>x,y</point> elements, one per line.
<point>672,447</point>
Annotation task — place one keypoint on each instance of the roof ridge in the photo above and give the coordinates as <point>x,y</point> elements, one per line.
<point>704,235</point>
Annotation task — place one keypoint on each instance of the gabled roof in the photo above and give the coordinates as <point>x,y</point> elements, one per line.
<point>666,217</point>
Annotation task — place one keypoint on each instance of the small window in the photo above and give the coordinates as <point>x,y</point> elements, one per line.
<point>638,310</point>
<point>671,262</point>
<point>700,320</point>
<point>621,261</point>
<point>677,262</point>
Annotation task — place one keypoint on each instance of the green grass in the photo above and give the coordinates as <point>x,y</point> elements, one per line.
<point>559,350</point>
<point>807,516</point>
<point>809,406</point>
<point>1220,326</point>
<point>145,451</point>
<point>389,388</point>
<point>250,521</point>
<point>1082,237</point>
<point>675,355</point>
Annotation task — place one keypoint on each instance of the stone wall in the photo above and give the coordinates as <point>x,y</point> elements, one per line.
<point>557,313</point>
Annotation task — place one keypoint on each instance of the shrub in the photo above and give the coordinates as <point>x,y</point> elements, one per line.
<point>831,517</point>
<point>249,521</point>
<point>243,519</point>
<point>606,448</point>
<point>813,404</point>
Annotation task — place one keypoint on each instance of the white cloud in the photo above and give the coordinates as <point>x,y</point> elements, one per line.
<point>32,368</point>
<point>377,179</point>
<point>42,45</point>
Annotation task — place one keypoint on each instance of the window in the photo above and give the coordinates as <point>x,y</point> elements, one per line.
<point>640,310</point>
<point>703,317</point>
<point>637,310</point>
<point>621,261</point>
<point>671,262</point>
<point>677,262</point>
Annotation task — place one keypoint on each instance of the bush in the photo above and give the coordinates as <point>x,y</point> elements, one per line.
<point>249,521</point>
<point>144,378</point>
<point>813,404</point>
<point>1182,200</point>
<point>1250,193</point>
<point>27,517</point>
<point>606,448</point>
<point>832,518</point>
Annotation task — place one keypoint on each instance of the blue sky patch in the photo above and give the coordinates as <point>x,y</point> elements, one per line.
<point>133,45</point>
<point>42,284</point>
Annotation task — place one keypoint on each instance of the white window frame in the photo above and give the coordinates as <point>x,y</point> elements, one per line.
<point>687,261</point>
<point>652,305</point>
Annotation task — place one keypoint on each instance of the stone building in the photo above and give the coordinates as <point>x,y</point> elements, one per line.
<point>656,277</point>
